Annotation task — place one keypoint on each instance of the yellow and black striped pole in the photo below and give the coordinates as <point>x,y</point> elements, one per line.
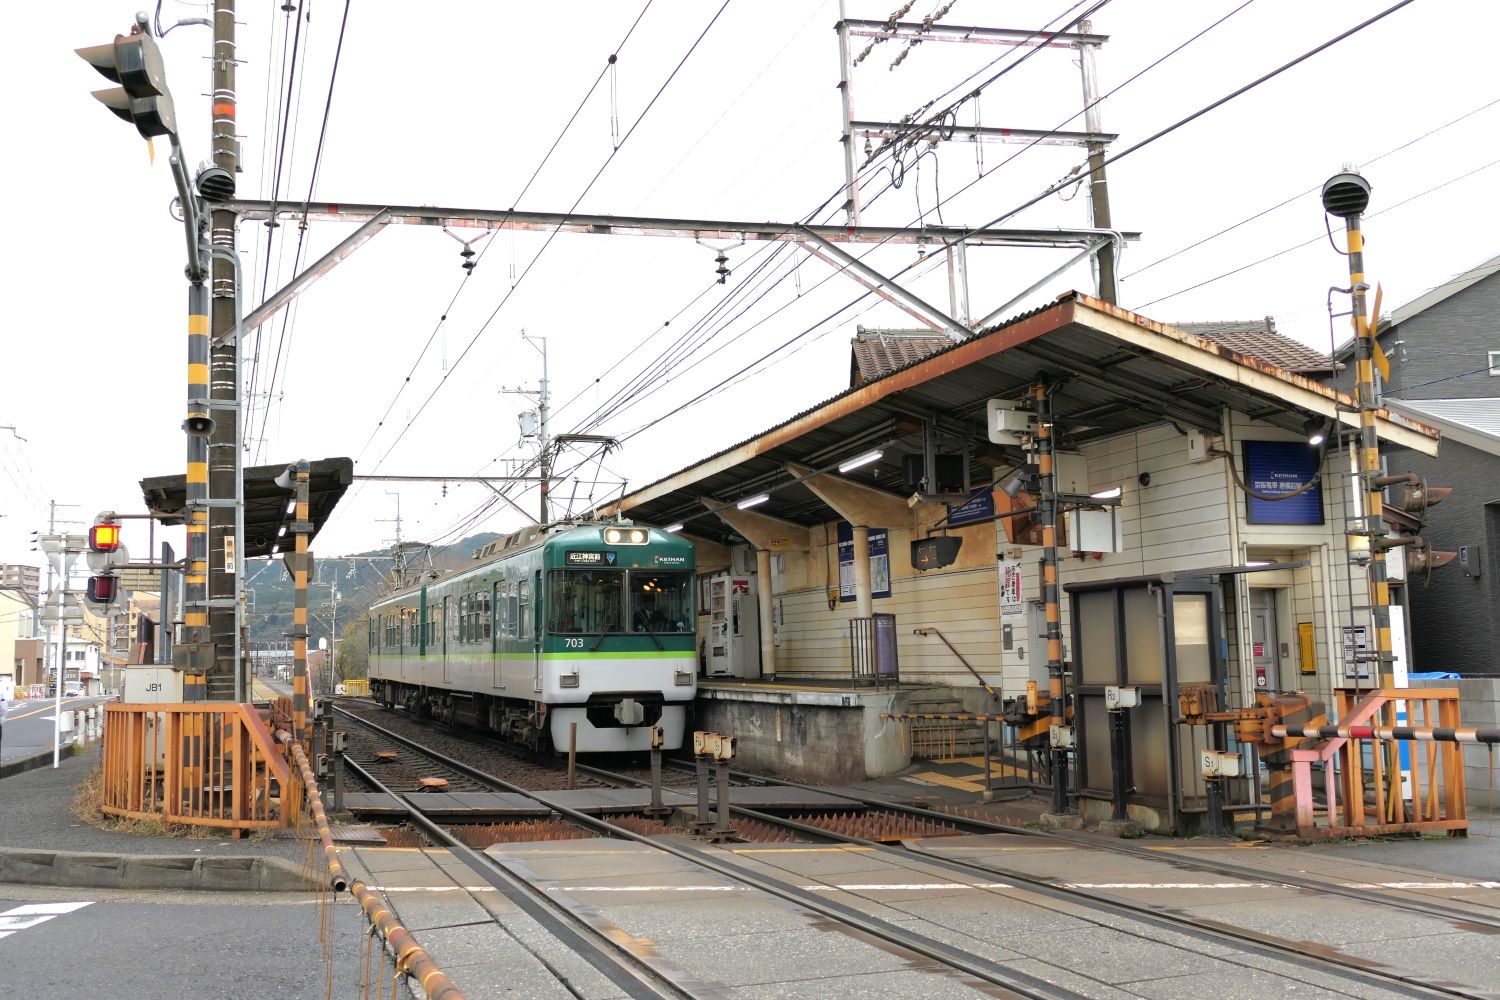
<point>1047,515</point>
<point>197,426</point>
<point>301,566</point>
<point>1347,195</point>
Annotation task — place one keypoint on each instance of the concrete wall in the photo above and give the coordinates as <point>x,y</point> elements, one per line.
<point>825,738</point>
<point>1479,708</point>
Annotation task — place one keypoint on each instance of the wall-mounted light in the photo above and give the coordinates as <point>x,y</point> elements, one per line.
<point>1316,429</point>
<point>749,502</point>
<point>1018,480</point>
<point>859,460</point>
<point>673,528</point>
<point>1109,494</point>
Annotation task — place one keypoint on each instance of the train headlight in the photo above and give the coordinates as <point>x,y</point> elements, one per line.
<point>626,536</point>
<point>682,678</point>
<point>568,680</point>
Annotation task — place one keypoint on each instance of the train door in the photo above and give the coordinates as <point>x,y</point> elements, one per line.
<point>442,627</point>
<point>497,594</point>
<point>532,619</point>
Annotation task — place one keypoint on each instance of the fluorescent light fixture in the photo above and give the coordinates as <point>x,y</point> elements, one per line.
<point>1257,562</point>
<point>858,460</point>
<point>673,528</point>
<point>749,502</point>
<point>1109,494</point>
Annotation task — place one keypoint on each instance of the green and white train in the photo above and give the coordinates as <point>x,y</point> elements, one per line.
<point>587,624</point>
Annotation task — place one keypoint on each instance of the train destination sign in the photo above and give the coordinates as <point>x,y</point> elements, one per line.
<point>576,558</point>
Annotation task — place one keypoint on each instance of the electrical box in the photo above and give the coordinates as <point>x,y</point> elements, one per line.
<point>1468,559</point>
<point>1072,472</point>
<point>733,638</point>
<point>1220,764</point>
<point>1095,530</point>
<point>1119,698</point>
<point>152,685</point>
<point>1060,737</point>
<point>1197,446</point>
<point>1007,425</point>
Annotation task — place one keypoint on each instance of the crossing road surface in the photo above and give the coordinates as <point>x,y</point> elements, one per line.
<point>60,944</point>
<point>29,725</point>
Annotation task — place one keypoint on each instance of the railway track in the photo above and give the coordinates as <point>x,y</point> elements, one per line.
<point>1361,976</point>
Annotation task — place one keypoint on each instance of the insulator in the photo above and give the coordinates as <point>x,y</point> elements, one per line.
<point>868,147</point>
<point>466,252</point>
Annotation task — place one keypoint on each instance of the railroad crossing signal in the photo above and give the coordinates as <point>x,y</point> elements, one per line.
<point>134,62</point>
<point>105,553</point>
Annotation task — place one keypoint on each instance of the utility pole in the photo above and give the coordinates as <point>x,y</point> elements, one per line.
<point>1104,262</point>
<point>538,429</point>
<point>399,569</point>
<point>224,455</point>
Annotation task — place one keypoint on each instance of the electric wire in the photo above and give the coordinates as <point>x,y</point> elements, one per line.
<point>552,235</point>
<point>1306,243</point>
<point>1302,194</point>
<point>541,164</point>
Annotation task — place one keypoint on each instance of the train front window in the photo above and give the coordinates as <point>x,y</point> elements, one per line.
<point>585,601</point>
<point>661,601</point>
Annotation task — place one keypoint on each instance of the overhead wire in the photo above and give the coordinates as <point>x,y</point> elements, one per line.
<point>552,235</point>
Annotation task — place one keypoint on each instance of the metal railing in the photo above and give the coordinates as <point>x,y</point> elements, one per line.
<point>934,630</point>
<point>209,765</point>
<point>872,651</point>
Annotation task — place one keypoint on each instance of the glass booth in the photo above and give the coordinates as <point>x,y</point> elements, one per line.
<point>1155,633</point>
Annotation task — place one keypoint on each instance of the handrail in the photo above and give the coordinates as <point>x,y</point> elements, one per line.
<point>933,630</point>
<point>411,957</point>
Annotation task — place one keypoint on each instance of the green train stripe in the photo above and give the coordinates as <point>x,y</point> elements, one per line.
<point>585,655</point>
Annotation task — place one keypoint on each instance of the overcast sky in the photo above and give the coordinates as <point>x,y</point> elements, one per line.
<point>455,104</point>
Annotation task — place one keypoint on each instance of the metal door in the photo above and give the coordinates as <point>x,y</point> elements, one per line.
<point>1264,636</point>
<point>442,626</point>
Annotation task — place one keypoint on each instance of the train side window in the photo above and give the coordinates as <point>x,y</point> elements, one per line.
<point>462,625</point>
<point>484,615</point>
<point>523,616</point>
<point>512,611</point>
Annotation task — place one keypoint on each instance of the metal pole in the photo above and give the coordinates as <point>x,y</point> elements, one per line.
<point>62,663</point>
<point>700,763</point>
<point>572,752</point>
<point>195,580</point>
<point>224,455</point>
<point>846,98</point>
<point>723,828</point>
<point>656,808</point>
<point>1098,186</point>
<point>1117,765</point>
<point>1047,514</point>
<point>989,779</point>
<point>302,565</point>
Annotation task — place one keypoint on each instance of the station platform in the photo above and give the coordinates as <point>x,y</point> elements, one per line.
<point>809,729</point>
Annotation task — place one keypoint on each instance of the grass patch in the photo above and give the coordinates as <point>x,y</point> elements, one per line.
<point>87,806</point>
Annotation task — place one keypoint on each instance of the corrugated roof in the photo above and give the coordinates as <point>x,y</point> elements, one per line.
<point>1257,338</point>
<point>877,353</point>
<point>1474,422</point>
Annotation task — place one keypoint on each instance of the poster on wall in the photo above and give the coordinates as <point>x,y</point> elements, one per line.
<point>1011,603</point>
<point>880,562</point>
<point>1277,470</point>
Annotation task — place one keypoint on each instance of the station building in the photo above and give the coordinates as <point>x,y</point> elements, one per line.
<point>1163,436</point>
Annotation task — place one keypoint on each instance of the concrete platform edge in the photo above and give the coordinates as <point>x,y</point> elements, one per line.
<point>80,869</point>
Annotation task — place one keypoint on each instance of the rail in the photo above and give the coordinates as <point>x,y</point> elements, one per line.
<point>205,765</point>
<point>933,630</point>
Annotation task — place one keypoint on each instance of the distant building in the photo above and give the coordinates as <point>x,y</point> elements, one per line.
<point>15,628</point>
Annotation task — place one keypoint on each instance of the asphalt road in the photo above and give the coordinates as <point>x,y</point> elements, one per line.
<point>29,725</point>
<point>66,943</point>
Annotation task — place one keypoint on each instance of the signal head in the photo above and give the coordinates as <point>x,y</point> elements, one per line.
<point>104,537</point>
<point>1346,195</point>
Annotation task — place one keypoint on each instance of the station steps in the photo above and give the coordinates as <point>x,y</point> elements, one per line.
<point>938,738</point>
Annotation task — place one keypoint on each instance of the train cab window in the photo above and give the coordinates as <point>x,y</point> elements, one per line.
<point>661,601</point>
<point>585,601</point>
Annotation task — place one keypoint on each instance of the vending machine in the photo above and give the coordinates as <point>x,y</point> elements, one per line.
<point>733,640</point>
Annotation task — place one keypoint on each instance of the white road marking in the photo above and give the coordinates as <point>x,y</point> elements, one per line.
<point>20,918</point>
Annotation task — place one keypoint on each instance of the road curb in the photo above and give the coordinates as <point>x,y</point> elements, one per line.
<point>20,765</point>
<point>81,869</point>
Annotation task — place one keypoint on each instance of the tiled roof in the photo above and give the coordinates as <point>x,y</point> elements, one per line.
<point>877,353</point>
<point>1258,339</point>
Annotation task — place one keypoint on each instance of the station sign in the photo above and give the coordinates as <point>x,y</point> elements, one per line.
<point>605,558</point>
<point>1277,470</point>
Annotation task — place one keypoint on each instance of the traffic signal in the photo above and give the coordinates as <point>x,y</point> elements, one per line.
<point>1408,516</point>
<point>105,553</point>
<point>134,62</point>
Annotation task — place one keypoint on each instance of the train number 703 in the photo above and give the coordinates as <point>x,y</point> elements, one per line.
<point>573,643</point>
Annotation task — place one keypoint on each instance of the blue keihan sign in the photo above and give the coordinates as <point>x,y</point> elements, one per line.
<point>1280,468</point>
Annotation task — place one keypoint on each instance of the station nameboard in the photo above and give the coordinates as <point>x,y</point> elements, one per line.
<point>575,558</point>
<point>1279,469</point>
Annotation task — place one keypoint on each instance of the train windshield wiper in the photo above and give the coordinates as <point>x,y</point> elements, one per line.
<point>607,629</point>
<point>652,633</point>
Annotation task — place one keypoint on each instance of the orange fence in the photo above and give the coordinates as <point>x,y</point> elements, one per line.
<point>205,764</point>
<point>1364,789</point>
